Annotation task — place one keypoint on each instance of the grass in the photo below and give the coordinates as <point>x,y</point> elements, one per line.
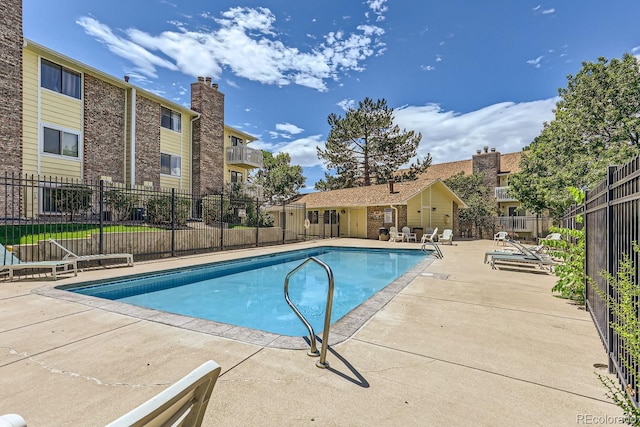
<point>33,233</point>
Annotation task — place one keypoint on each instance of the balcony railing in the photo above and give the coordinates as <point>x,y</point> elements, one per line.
<point>241,155</point>
<point>502,195</point>
<point>246,189</point>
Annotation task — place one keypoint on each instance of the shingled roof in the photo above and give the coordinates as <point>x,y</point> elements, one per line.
<point>509,163</point>
<point>372,195</point>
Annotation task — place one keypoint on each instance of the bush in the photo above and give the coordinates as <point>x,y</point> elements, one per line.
<point>72,198</point>
<point>159,210</point>
<point>120,203</point>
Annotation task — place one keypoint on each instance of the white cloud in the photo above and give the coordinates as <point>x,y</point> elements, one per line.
<point>246,43</point>
<point>536,8</point>
<point>535,62</point>
<point>346,104</point>
<point>447,135</point>
<point>289,128</point>
<point>548,11</point>
<point>428,67</point>
<point>451,136</point>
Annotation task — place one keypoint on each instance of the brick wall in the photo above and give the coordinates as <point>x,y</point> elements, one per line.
<point>11,93</point>
<point>208,137</point>
<point>375,222</point>
<point>147,141</point>
<point>104,130</point>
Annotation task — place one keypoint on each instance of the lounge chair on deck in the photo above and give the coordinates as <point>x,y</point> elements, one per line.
<point>409,235</point>
<point>430,237</point>
<point>513,250</point>
<point>524,258</point>
<point>446,237</point>
<point>183,404</point>
<point>12,420</point>
<point>11,263</point>
<point>395,235</point>
<point>128,258</point>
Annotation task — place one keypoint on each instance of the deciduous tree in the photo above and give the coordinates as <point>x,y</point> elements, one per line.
<point>596,124</point>
<point>280,180</point>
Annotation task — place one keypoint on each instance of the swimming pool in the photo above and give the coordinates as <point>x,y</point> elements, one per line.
<point>249,292</point>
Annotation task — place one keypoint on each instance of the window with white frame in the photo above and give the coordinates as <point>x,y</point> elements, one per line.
<point>171,120</point>
<point>170,164</point>
<point>59,79</point>
<point>55,141</point>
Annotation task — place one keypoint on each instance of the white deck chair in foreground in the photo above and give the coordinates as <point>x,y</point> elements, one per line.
<point>10,263</point>
<point>12,420</point>
<point>182,404</point>
<point>71,256</point>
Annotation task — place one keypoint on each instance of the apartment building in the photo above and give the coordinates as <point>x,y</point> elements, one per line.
<point>63,119</point>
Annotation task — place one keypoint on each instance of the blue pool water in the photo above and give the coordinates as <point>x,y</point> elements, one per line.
<point>249,292</point>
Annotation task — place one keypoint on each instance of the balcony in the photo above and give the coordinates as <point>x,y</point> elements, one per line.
<point>522,224</point>
<point>502,195</point>
<point>243,188</point>
<point>244,157</point>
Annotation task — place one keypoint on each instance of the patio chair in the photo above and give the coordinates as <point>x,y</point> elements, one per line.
<point>409,235</point>
<point>446,236</point>
<point>525,258</point>
<point>552,236</point>
<point>11,263</point>
<point>513,250</point>
<point>183,404</point>
<point>500,236</point>
<point>12,420</point>
<point>128,258</point>
<point>395,235</point>
<point>430,237</point>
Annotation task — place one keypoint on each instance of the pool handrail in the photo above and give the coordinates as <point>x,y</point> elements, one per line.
<point>313,351</point>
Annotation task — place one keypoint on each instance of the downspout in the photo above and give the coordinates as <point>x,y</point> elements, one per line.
<point>191,154</point>
<point>396,215</point>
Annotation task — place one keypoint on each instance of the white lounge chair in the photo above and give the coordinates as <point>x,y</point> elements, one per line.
<point>525,258</point>
<point>395,235</point>
<point>12,420</point>
<point>500,236</point>
<point>446,237</point>
<point>128,258</point>
<point>409,235</point>
<point>182,404</point>
<point>11,263</point>
<point>430,237</point>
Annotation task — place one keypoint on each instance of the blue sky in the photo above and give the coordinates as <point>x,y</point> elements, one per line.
<point>464,73</point>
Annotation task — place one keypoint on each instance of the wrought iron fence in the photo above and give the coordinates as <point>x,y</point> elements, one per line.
<point>102,217</point>
<point>611,213</point>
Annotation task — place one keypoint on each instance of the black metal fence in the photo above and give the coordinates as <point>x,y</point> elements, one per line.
<point>611,214</point>
<point>101,217</point>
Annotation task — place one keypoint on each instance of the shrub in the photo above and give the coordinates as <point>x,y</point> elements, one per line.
<point>73,198</point>
<point>120,202</point>
<point>159,210</point>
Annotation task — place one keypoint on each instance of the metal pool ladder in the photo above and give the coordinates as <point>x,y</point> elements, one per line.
<point>313,351</point>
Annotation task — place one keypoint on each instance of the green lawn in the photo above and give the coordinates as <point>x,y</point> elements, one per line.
<point>33,233</point>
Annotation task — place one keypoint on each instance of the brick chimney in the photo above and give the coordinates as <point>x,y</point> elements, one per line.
<point>488,162</point>
<point>208,137</point>
<point>391,182</point>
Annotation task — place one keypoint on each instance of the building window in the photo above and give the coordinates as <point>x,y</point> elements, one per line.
<point>236,176</point>
<point>330,217</point>
<point>169,165</point>
<point>312,216</point>
<point>171,120</point>
<point>235,141</point>
<point>59,79</point>
<point>59,142</point>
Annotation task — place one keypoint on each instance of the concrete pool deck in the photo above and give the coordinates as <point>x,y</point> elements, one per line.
<point>461,344</point>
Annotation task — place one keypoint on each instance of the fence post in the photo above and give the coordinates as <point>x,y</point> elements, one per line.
<point>222,219</point>
<point>173,222</point>
<point>284,222</point>
<point>257,222</point>
<point>610,256</point>
<point>100,218</point>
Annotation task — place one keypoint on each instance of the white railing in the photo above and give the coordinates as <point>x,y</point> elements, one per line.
<point>245,156</point>
<point>516,224</point>
<point>502,195</point>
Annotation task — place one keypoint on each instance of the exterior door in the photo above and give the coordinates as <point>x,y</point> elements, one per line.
<point>358,223</point>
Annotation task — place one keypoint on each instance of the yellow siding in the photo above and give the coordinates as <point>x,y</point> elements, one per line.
<point>30,113</point>
<point>59,167</point>
<point>61,110</point>
<point>177,144</point>
<point>436,197</point>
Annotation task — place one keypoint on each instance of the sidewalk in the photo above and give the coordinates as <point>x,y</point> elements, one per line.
<point>461,345</point>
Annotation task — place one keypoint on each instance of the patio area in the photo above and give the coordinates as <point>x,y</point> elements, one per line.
<point>460,344</point>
